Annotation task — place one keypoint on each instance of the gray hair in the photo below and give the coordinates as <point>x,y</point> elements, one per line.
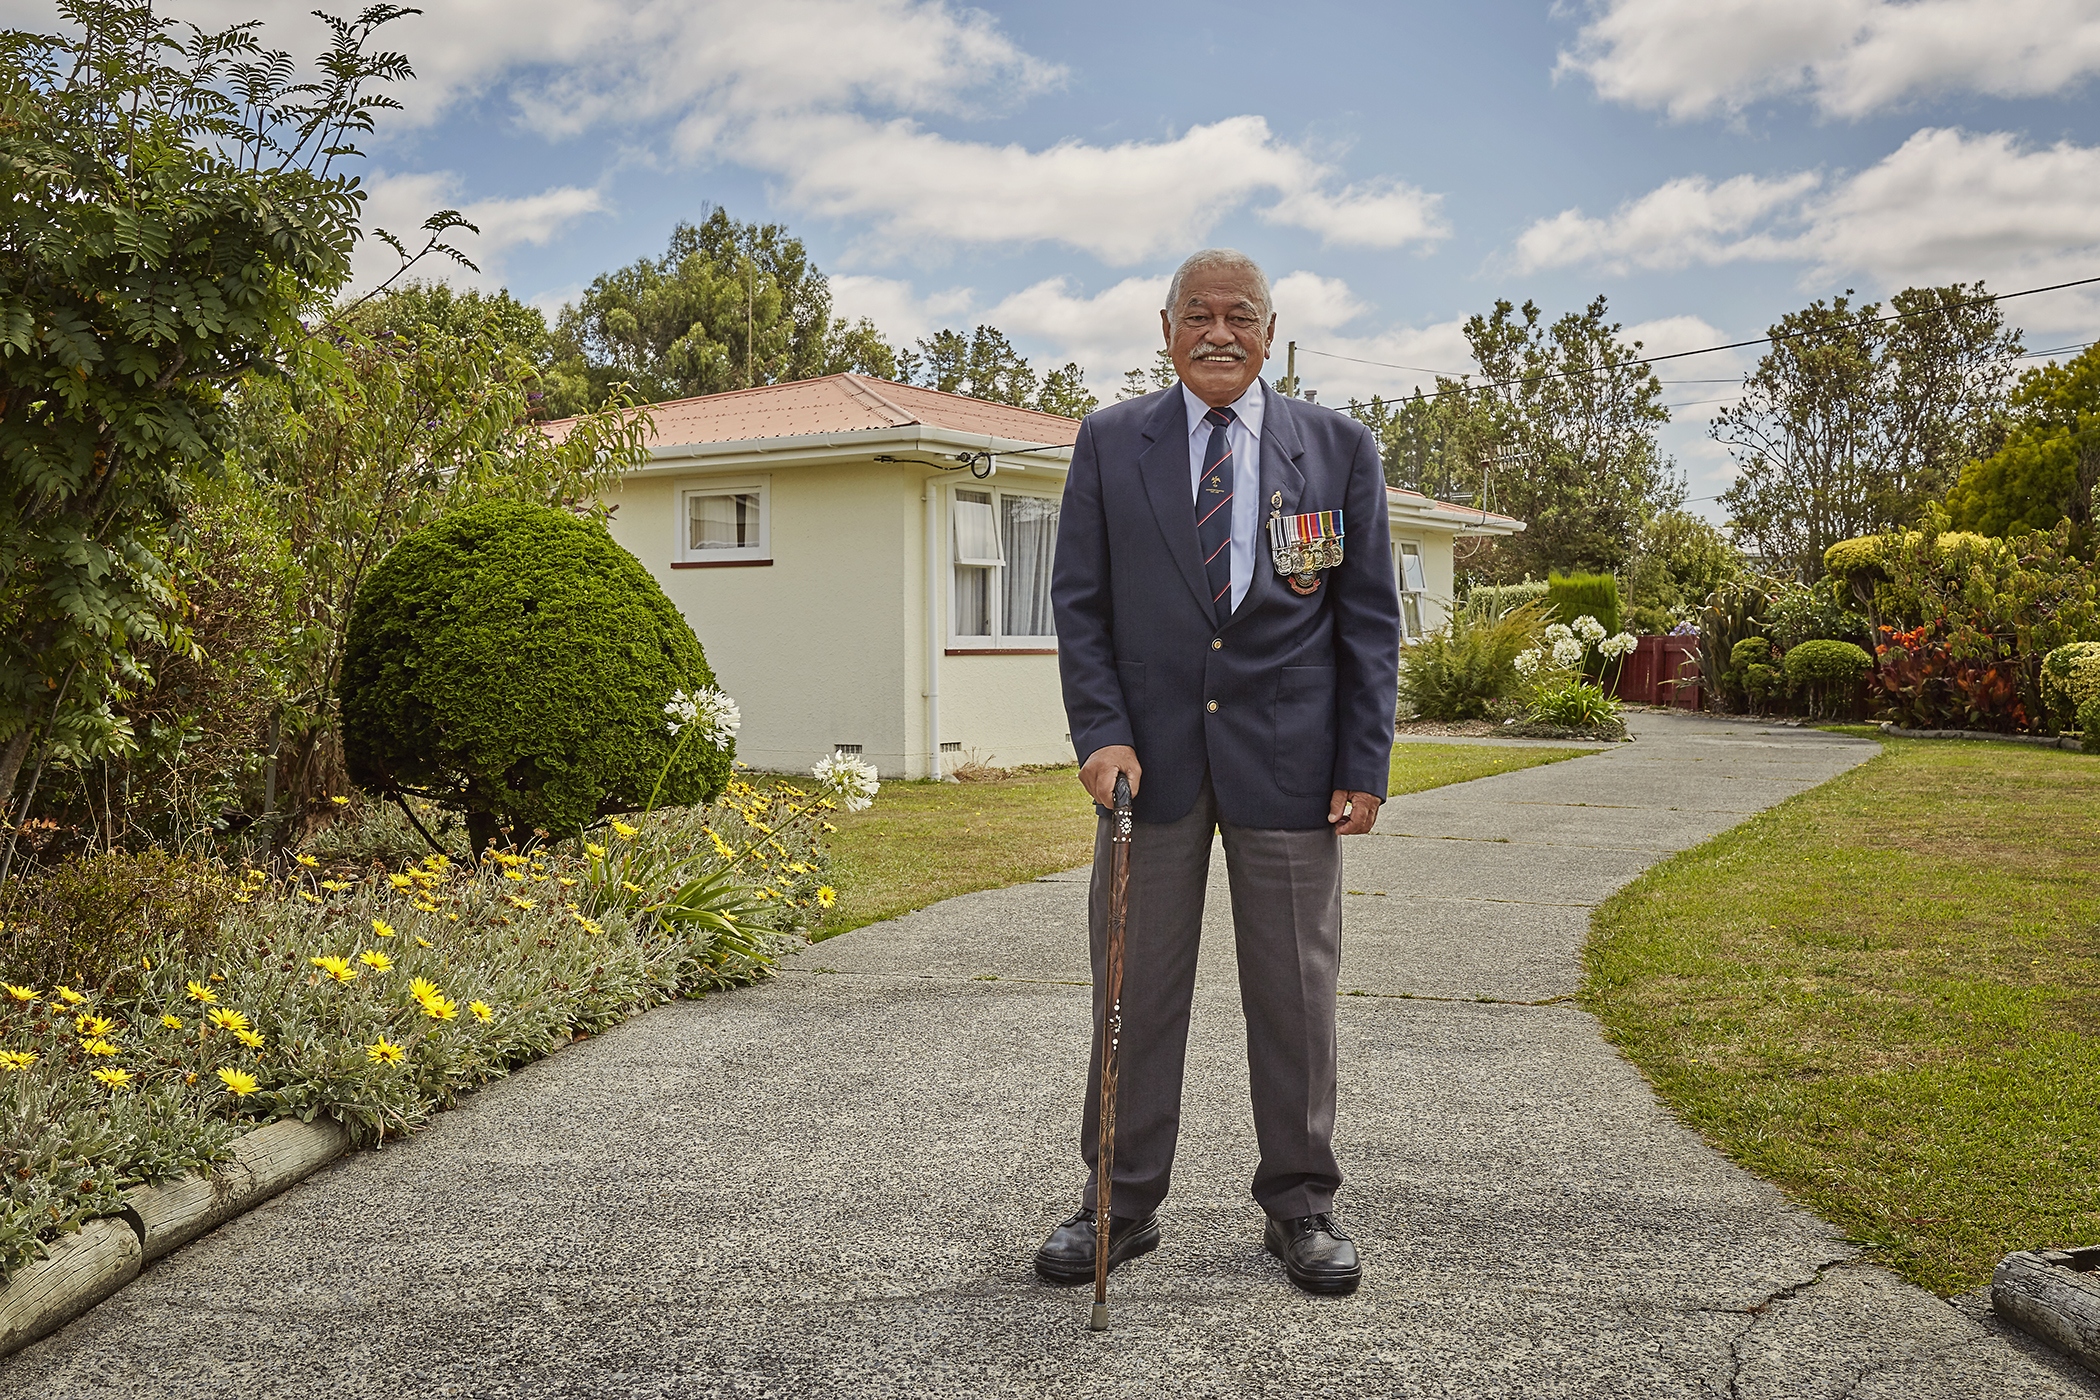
<point>1231,259</point>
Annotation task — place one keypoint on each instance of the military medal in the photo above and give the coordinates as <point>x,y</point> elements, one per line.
<point>1301,546</point>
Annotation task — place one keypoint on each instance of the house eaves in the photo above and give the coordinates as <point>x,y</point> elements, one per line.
<point>932,445</point>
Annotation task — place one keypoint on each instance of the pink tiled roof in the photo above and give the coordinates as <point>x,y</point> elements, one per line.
<point>1400,495</point>
<point>844,403</point>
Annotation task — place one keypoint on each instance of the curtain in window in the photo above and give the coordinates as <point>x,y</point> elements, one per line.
<point>976,536</point>
<point>722,522</point>
<point>973,601</point>
<point>1029,532</point>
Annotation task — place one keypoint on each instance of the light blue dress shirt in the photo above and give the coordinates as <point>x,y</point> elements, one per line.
<point>1244,435</point>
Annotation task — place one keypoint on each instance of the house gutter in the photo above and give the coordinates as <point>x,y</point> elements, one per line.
<point>809,449</point>
<point>933,634</point>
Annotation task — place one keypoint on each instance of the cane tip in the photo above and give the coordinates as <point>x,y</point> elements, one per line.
<point>1097,1321</point>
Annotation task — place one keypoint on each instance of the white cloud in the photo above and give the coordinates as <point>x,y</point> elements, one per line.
<point>1849,57</point>
<point>1684,221</point>
<point>400,204</point>
<point>830,98</point>
<point>1946,206</point>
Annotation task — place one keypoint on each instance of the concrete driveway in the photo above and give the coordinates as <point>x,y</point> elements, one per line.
<point>833,1184</point>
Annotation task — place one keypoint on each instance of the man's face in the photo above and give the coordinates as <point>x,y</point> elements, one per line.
<point>1217,336</point>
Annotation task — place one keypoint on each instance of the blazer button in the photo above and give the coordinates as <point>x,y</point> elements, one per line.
<point>1215,643</point>
<point>1212,706</point>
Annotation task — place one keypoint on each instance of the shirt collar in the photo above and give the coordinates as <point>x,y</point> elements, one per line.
<point>1247,408</point>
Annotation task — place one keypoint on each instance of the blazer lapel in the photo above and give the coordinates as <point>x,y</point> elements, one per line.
<point>1281,485</point>
<point>1164,468</point>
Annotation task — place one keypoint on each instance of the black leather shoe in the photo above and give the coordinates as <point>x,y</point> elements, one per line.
<point>1067,1257</point>
<point>1315,1253</point>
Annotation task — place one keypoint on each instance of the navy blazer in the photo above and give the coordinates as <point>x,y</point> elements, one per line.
<point>1292,697</point>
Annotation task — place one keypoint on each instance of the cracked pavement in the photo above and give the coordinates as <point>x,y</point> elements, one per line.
<point>834,1184</point>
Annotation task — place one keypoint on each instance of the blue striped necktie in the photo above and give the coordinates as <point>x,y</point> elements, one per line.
<point>1214,513</point>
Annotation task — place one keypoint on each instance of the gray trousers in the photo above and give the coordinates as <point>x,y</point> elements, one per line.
<point>1287,927</point>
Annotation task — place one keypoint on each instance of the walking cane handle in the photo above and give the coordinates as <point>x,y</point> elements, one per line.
<point>1122,792</point>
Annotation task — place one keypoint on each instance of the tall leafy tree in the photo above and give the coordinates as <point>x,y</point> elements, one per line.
<point>1853,423</point>
<point>728,306</point>
<point>985,365</point>
<point>1579,415</point>
<point>2049,468</point>
<point>173,207</point>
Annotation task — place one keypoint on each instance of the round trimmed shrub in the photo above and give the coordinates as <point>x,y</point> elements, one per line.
<point>1826,668</point>
<point>2070,677</point>
<point>512,662</point>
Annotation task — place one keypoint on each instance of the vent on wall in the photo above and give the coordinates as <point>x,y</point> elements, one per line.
<point>845,748</point>
<point>954,746</point>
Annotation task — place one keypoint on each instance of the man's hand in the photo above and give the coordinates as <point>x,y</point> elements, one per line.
<point>1098,774</point>
<point>1353,812</point>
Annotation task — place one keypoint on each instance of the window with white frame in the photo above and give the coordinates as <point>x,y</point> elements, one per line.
<point>1408,577</point>
<point>724,523</point>
<point>1002,542</point>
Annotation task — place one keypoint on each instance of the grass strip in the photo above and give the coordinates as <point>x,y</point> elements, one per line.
<point>923,842</point>
<point>1884,995</point>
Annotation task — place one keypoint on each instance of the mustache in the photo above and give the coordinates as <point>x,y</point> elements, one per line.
<point>1232,351</point>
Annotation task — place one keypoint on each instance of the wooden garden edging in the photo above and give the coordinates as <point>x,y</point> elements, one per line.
<point>2053,1294</point>
<point>81,1269</point>
<point>2040,741</point>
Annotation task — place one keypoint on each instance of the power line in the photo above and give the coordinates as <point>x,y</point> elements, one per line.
<point>1706,350</point>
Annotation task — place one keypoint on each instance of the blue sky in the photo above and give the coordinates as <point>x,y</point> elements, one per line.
<point>1705,164</point>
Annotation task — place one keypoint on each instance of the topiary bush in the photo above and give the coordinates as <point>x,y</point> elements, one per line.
<point>1755,671</point>
<point>1827,669</point>
<point>1584,595</point>
<point>512,662</point>
<point>2070,677</point>
<point>2089,725</point>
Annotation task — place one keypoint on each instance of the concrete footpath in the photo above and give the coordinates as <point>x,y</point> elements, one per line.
<point>834,1184</point>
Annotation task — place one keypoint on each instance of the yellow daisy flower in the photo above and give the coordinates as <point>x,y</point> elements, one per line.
<point>340,801</point>
<point>238,1084</point>
<point>631,887</point>
<point>518,902</point>
<point>16,1059</point>
<point>422,942</point>
<point>92,1026</point>
<point>335,886</point>
<point>19,993</point>
<point>513,874</point>
<point>112,1078</point>
<point>199,993</point>
<point>440,1008</point>
<point>309,897</point>
<point>399,882</point>
<point>308,861</point>
<point>481,1010</point>
<point>624,831</point>
<point>383,1053</point>
<point>721,847</point>
<point>382,928</point>
<point>827,896</point>
<point>70,997</point>
<point>378,962</point>
<point>565,881</point>
<point>173,1023</point>
<point>422,988</point>
<point>252,1039</point>
<point>338,968</point>
<point>594,850</point>
<point>426,907</point>
<point>226,1019</point>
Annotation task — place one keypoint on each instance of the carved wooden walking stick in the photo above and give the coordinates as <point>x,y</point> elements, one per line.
<point>1111,1037</point>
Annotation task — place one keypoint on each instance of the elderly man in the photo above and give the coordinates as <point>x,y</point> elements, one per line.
<point>1228,633</point>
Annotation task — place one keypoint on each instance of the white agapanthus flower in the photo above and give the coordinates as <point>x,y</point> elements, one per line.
<point>1567,653</point>
<point>1619,645</point>
<point>1589,629</point>
<point>1528,662</point>
<point>851,779</point>
<point>1558,632</point>
<point>715,713</point>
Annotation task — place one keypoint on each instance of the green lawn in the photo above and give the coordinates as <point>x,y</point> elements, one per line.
<point>1884,994</point>
<point>924,842</point>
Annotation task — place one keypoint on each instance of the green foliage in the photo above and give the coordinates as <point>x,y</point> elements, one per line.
<point>412,311</point>
<point>1734,613</point>
<point>1854,566</point>
<point>1488,600</point>
<point>2049,468</point>
<point>2070,677</point>
<point>2089,725</point>
<point>1827,669</point>
<point>82,918</point>
<point>985,365</point>
<point>160,238</point>
<point>728,306</point>
<point>1572,704</point>
<point>1456,670</point>
<point>1680,561</point>
<point>1851,424</point>
<point>1584,595</point>
<point>1161,374</point>
<point>513,662</point>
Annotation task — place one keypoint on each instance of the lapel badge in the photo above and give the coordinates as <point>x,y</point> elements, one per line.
<point>1301,546</point>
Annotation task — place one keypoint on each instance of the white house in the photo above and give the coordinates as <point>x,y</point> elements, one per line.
<point>868,565</point>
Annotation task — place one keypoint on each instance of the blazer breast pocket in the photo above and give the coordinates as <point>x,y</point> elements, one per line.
<point>1305,725</point>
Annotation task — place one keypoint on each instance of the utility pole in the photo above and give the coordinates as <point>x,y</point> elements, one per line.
<point>1290,369</point>
<point>750,295</point>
